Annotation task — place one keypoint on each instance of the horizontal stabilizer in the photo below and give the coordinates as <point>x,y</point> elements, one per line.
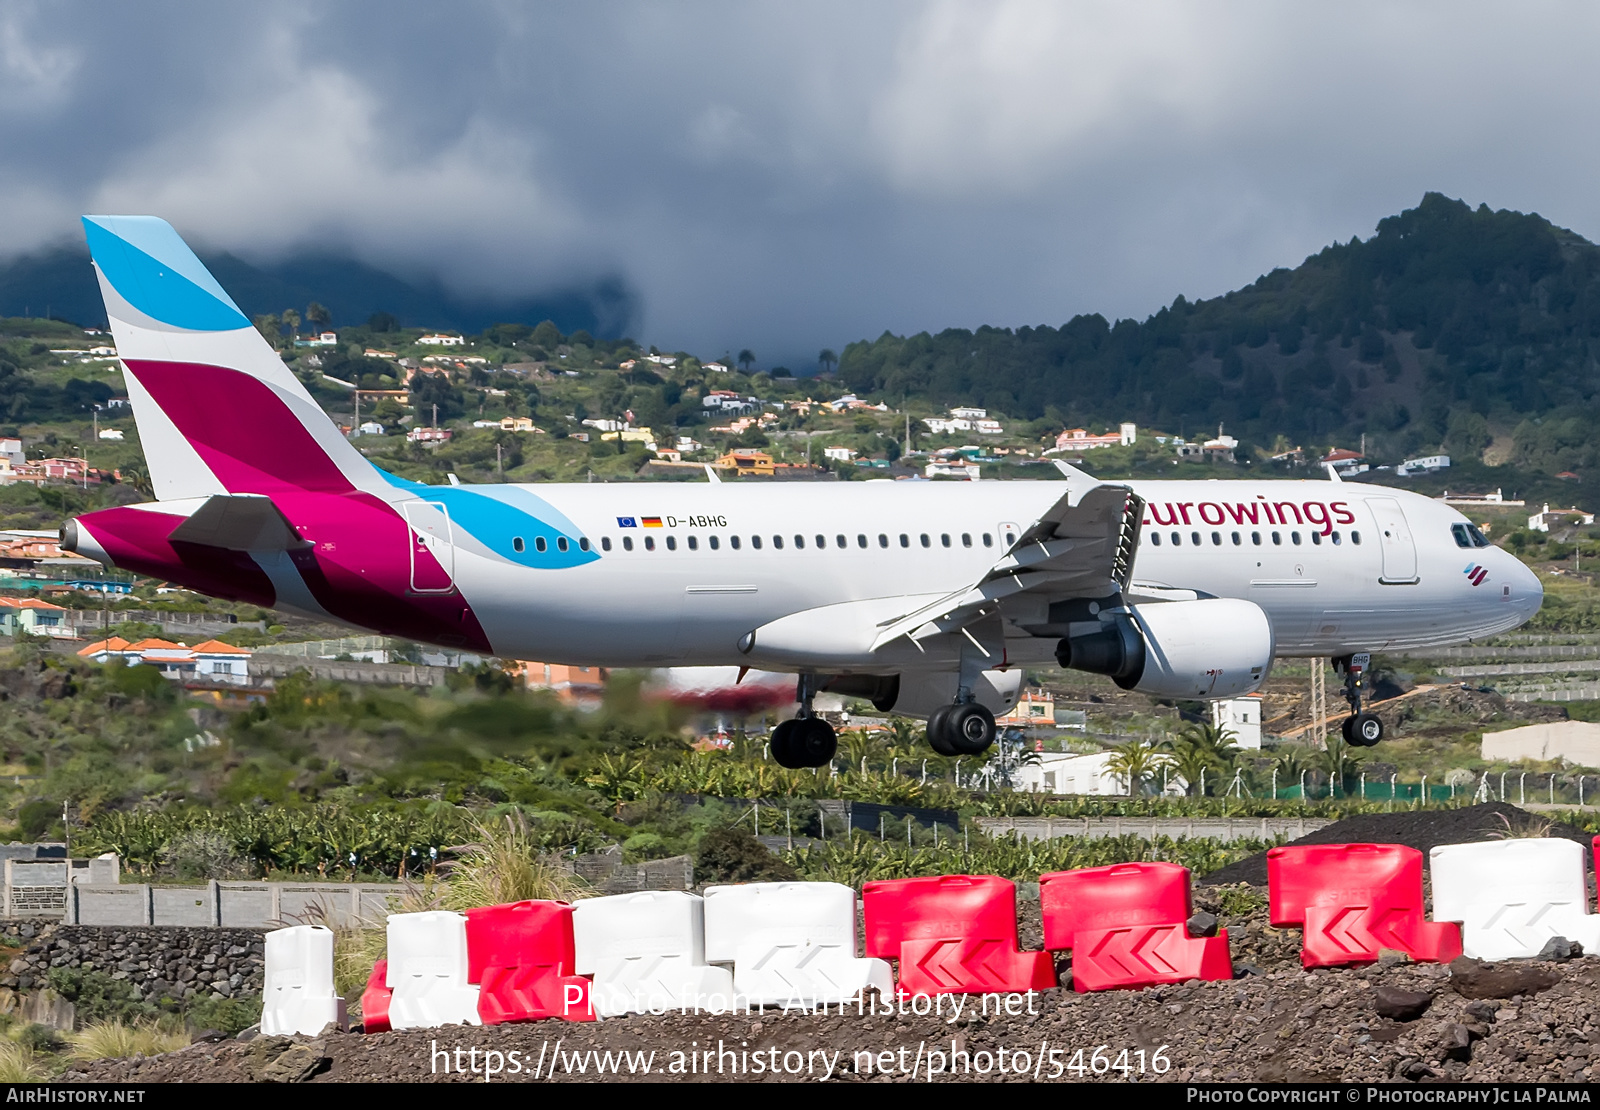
<point>239,522</point>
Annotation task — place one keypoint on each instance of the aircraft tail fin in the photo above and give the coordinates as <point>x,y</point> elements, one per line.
<point>218,411</point>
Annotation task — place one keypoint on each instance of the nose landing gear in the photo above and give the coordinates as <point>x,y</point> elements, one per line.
<point>808,740</point>
<point>1360,729</point>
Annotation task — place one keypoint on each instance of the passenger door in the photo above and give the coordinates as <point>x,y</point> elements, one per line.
<point>1399,549</point>
<point>433,552</point>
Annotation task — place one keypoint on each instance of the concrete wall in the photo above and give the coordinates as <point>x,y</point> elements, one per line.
<point>1216,828</point>
<point>230,905</point>
<point>1574,741</point>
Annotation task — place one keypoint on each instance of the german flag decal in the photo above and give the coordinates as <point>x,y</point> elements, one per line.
<point>650,521</point>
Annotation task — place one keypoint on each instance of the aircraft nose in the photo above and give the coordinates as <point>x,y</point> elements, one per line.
<point>1527,592</point>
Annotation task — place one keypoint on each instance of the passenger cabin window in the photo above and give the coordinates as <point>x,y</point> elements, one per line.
<point>822,543</point>
<point>583,543</point>
<point>1237,539</point>
<point>649,543</point>
<point>1316,538</point>
<point>861,541</point>
<point>561,543</point>
<point>1355,538</point>
<point>945,539</point>
<point>1177,540</point>
<point>1155,539</point>
<point>1294,538</point>
<point>1255,538</point>
<point>1277,539</point>
<point>627,543</point>
<point>883,539</point>
<point>799,543</point>
<point>517,545</point>
<point>539,544</point>
<point>988,540</point>
<point>926,542</point>
<point>694,544</point>
<point>1335,538</point>
<point>840,541</point>
<point>733,542</point>
<point>1194,538</point>
<point>755,542</point>
<point>1216,539</point>
<point>905,540</point>
<point>777,543</point>
<point>672,543</point>
<point>605,543</point>
<point>966,539</point>
<point>713,541</point>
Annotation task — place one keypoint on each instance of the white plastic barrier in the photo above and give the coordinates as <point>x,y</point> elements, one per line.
<point>299,996</point>
<point>790,943</point>
<point>1511,896</point>
<point>646,953</point>
<point>428,971</point>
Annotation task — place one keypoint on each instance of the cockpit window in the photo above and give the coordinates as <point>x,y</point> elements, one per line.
<point>1467,535</point>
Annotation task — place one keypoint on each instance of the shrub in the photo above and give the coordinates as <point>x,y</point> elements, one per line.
<point>113,1040</point>
<point>732,855</point>
<point>505,864</point>
<point>203,854</point>
<point>19,1064</point>
<point>229,1015</point>
<point>98,997</point>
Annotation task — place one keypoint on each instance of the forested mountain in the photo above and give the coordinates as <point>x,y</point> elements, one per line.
<point>1451,326</point>
<point>61,283</point>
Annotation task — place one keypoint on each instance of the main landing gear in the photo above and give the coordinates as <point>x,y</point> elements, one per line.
<point>965,728</point>
<point>1360,729</point>
<point>808,740</point>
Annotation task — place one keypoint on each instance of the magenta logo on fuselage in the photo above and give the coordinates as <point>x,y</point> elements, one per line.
<point>1324,515</point>
<point>1476,574</point>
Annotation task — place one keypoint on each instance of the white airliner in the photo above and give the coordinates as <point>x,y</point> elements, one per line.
<point>927,598</point>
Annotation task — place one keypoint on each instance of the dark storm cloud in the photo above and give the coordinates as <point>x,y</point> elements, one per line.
<point>791,176</point>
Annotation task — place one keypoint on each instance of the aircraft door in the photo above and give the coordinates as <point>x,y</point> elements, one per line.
<point>1399,549</point>
<point>1009,534</point>
<point>433,551</point>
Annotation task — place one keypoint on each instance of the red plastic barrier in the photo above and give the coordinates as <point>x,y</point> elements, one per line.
<point>521,956</point>
<point>1354,900</point>
<point>1127,927</point>
<point>375,1000</point>
<point>953,934</point>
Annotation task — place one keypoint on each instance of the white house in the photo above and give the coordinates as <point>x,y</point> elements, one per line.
<point>986,427</point>
<point>1541,521</point>
<point>1427,464</point>
<point>714,367</point>
<point>110,433</point>
<point>1242,717</point>
<point>968,471</point>
<point>938,425</point>
<point>1067,773</point>
<point>442,341</point>
<point>369,428</point>
<point>969,413</point>
<point>841,454</point>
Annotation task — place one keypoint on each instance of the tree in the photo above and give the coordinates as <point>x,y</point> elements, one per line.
<point>1202,747</point>
<point>291,320</point>
<point>746,359</point>
<point>546,335</point>
<point>827,360</point>
<point>318,316</point>
<point>1135,763</point>
<point>382,321</point>
<point>270,327</point>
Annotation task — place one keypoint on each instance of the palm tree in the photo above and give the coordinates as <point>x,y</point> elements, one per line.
<point>1190,760</point>
<point>318,316</point>
<point>747,359</point>
<point>291,320</point>
<point>827,360</point>
<point>1135,763</point>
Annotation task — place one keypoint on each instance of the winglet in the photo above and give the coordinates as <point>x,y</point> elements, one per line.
<point>1333,473</point>
<point>711,475</point>
<point>1079,482</point>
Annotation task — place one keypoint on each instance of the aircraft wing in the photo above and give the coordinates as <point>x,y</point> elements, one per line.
<point>1082,546</point>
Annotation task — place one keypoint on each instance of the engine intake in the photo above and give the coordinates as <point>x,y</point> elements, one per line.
<point>1209,648</point>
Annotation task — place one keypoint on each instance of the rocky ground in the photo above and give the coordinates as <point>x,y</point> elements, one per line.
<point>1394,1021</point>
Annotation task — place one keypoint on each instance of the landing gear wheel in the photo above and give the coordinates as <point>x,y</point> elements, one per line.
<point>813,741</point>
<point>1365,730</point>
<point>1349,736</point>
<point>970,728</point>
<point>939,731</point>
<point>783,746</point>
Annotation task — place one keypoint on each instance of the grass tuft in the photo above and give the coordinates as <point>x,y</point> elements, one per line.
<point>112,1040</point>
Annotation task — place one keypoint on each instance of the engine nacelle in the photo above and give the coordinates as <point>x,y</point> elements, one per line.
<point>1210,648</point>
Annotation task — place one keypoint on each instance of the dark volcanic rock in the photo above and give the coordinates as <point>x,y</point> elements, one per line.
<point>1559,950</point>
<point>1475,979</point>
<point>1397,1004</point>
<point>1203,924</point>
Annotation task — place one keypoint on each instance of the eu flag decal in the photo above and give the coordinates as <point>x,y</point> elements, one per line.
<point>627,522</point>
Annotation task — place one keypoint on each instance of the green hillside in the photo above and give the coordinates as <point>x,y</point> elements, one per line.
<point>1467,329</point>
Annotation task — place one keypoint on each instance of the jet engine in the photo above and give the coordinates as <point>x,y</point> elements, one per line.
<point>1209,648</point>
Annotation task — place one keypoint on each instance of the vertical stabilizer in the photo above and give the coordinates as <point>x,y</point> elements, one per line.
<point>218,411</point>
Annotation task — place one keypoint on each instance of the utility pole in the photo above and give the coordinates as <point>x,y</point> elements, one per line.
<point>1319,704</point>
<point>436,422</point>
<point>355,427</point>
<point>499,462</point>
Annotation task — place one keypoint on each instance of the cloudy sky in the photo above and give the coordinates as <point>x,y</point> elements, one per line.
<point>792,176</point>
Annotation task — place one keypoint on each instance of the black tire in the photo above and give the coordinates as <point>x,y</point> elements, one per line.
<point>1366,730</point>
<point>1348,734</point>
<point>813,742</point>
<point>939,733</point>
<point>970,728</point>
<point>784,748</point>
